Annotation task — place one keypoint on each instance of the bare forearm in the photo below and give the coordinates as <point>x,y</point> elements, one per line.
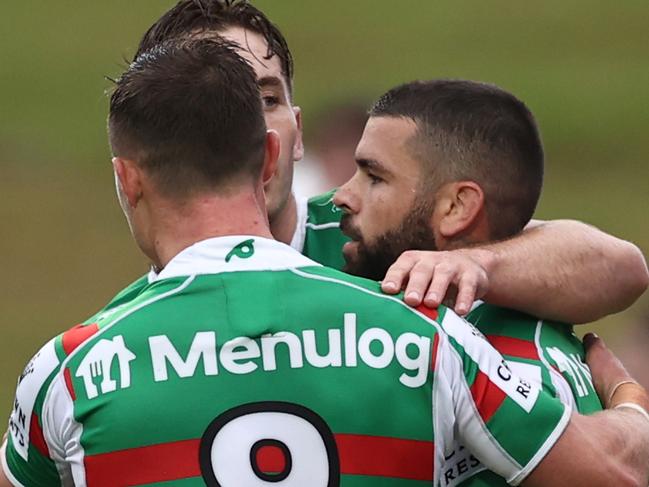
<point>609,448</point>
<point>566,271</point>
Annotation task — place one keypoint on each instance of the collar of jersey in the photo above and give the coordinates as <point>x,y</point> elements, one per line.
<point>208,257</point>
<point>299,235</point>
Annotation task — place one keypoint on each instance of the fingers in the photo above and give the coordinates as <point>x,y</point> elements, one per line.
<point>436,277</point>
<point>590,340</point>
<point>442,277</point>
<point>466,294</point>
<point>418,284</point>
<point>398,273</point>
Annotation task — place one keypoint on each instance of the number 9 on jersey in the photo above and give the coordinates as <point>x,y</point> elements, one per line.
<point>265,443</point>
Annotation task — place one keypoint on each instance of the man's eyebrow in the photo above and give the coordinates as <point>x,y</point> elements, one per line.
<point>372,164</point>
<point>266,81</point>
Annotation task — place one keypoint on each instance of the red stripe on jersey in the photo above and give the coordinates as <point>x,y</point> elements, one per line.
<point>514,347</point>
<point>68,383</point>
<point>433,358</point>
<point>487,396</point>
<point>359,455</point>
<point>385,457</point>
<point>431,313</point>
<point>76,335</point>
<point>145,465</point>
<point>36,437</point>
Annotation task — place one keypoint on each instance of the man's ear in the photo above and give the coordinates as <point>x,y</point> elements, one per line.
<point>129,178</point>
<point>271,155</point>
<point>459,208</point>
<point>298,145</point>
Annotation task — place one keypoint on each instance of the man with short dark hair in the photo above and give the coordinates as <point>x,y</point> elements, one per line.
<point>447,164</point>
<point>457,131</point>
<point>245,363</point>
<point>606,276</point>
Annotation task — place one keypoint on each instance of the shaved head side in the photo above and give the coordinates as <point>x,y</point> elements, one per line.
<point>477,132</point>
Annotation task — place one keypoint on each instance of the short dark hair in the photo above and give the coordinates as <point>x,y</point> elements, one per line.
<point>189,113</point>
<point>189,17</point>
<point>474,131</point>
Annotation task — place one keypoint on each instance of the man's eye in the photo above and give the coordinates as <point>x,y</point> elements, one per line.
<point>374,179</point>
<point>270,101</point>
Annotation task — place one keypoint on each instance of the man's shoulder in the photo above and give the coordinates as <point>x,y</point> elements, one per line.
<point>497,320</point>
<point>322,211</point>
<point>128,293</point>
<point>363,293</point>
<point>337,277</point>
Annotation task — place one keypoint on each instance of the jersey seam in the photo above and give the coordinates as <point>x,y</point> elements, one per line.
<point>306,275</point>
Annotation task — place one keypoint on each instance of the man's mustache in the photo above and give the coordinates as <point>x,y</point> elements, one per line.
<point>349,229</point>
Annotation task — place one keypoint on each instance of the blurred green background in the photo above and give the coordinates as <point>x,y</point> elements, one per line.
<point>582,67</point>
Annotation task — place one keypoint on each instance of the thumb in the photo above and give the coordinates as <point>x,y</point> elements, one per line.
<point>590,340</point>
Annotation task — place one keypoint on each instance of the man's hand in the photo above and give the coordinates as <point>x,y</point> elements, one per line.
<point>456,278</point>
<point>614,385</point>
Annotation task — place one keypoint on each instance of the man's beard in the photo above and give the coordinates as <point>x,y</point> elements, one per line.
<point>373,261</point>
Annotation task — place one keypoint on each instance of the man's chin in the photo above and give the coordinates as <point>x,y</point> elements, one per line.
<point>351,255</point>
<point>358,263</point>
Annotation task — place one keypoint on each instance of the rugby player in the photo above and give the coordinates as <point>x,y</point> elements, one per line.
<point>447,164</point>
<point>245,363</point>
<point>605,276</point>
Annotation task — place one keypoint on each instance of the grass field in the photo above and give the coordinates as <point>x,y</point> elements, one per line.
<point>65,249</point>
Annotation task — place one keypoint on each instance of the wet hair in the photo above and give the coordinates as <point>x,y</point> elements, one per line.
<point>189,113</point>
<point>191,17</point>
<point>474,131</point>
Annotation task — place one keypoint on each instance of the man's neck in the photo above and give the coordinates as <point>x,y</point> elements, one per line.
<point>284,222</point>
<point>203,218</point>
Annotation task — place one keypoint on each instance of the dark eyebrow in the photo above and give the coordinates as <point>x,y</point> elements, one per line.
<point>372,164</point>
<point>270,81</point>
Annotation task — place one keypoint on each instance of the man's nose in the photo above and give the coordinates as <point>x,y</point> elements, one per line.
<point>342,199</point>
<point>345,198</point>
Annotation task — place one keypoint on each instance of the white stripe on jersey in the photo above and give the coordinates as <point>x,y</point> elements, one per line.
<point>59,422</point>
<point>564,391</point>
<point>323,226</point>
<point>472,430</point>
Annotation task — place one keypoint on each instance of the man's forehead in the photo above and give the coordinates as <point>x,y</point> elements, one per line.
<point>254,49</point>
<point>386,139</point>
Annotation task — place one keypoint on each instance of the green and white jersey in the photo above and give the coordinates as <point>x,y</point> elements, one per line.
<point>245,363</point>
<point>317,234</point>
<point>547,354</point>
<point>551,354</point>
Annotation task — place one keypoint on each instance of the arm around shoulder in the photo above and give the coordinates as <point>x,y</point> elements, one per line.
<point>610,447</point>
<point>573,272</point>
<point>606,449</point>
